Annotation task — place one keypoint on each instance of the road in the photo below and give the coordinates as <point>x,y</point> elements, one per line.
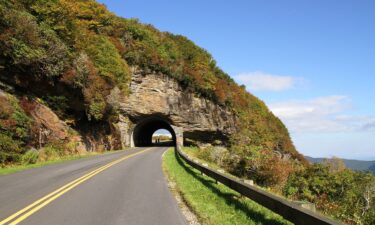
<point>126,187</point>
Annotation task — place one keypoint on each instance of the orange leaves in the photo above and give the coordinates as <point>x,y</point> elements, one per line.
<point>68,76</point>
<point>119,46</point>
<point>5,107</point>
<point>27,105</point>
<point>221,90</point>
<point>275,170</point>
<point>6,110</point>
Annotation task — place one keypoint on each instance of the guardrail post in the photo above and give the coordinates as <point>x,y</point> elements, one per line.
<point>249,182</point>
<point>306,205</point>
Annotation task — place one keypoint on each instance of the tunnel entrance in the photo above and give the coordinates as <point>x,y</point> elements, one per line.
<point>143,132</point>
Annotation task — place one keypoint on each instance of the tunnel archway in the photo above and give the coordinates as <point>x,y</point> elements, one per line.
<point>143,131</point>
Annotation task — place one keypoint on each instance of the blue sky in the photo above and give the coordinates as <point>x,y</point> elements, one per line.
<point>312,62</point>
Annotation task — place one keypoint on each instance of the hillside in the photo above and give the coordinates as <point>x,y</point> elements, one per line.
<point>74,78</point>
<point>359,165</point>
<point>73,56</point>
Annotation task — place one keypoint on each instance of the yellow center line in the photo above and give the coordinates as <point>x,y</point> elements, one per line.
<point>35,206</point>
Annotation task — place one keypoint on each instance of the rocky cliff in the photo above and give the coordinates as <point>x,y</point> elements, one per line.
<point>159,95</point>
<point>151,95</point>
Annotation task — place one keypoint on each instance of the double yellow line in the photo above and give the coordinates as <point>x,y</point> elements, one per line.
<point>37,205</point>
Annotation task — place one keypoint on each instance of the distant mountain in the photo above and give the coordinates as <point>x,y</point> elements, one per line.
<point>350,163</point>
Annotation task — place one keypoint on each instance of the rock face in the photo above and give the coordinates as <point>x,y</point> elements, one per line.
<point>50,126</point>
<point>45,126</point>
<point>156,101</point>
<point>162,96</point>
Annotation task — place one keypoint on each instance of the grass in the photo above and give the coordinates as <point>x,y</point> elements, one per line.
<point>16,168</point>
<point>214,204</point>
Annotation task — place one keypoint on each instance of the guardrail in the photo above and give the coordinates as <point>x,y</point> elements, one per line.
<point>290,211</point>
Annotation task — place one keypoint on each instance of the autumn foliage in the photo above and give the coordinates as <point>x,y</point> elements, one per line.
<point>76,57</point>
<point>82,44</point>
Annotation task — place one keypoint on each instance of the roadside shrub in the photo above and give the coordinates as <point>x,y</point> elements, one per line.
<point>71,147</point>
<point>345,194</point>
<point>265,167</point>
<point>30,157</point>
<point>218,155</point>
<point>15,128</point>
<point>47,153</point>
<point>51,152</point>
<point>9,145</point>
<point>274,172</point>
<point>204,154</point>
<point>14,121</point>
<point>8,158</point>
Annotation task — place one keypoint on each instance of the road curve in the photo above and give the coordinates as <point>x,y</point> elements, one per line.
<point>133,192</point>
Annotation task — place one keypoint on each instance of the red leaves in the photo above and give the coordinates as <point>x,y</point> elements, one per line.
<point>27,105</point>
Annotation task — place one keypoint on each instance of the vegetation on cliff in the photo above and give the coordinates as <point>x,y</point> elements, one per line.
<point>85,51</point>
<point>75,56</point>
<point>20,133</point>
<point>338,191</point>
<point>15,129</point>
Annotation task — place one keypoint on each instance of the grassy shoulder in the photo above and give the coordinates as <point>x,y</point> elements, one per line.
<point>20,167</point>
<point>214,203</point>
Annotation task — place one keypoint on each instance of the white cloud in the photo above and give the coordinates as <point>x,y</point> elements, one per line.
<point>260,81</point>
<point>325,114</point>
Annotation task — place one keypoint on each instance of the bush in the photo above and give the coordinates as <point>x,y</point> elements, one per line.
<point>10,150</point>
<point>107,59</point>
<point>6,158</point>
<point>9,145</point>
<point>31,45</point>
<point>30,157</point>
<point>218,155</point>
<point>345,194</point>
<point>263,166</point>
<point>14,122</point>
<point>51,151</point>
<point>204,154</point>
<point>15,128</point>
<point>97,108</point>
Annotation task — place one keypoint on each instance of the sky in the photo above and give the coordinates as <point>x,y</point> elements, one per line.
<point>312,62</point>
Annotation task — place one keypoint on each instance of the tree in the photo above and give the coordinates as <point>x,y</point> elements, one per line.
<point>335,164</point>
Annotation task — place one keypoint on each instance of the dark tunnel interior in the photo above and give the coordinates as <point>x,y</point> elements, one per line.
<point>142,135</point>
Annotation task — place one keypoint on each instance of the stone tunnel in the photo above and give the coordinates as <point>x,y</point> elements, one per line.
<point>143,131</point>
<point>157,101</point>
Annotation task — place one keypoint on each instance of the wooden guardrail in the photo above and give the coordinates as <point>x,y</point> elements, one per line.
<point>289,210</point>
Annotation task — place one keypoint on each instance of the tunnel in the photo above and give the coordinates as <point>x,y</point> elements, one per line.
<point>143,131</point>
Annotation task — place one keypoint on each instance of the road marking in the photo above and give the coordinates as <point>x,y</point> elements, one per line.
<point>37,205</point>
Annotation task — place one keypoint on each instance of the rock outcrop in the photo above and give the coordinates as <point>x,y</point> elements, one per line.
<point>51,128</point>
<point>159,95</point>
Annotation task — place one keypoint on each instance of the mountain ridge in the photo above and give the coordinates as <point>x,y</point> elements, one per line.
<point>361,165</point>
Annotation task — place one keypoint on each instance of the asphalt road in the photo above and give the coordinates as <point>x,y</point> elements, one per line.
<point>132,192</point>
